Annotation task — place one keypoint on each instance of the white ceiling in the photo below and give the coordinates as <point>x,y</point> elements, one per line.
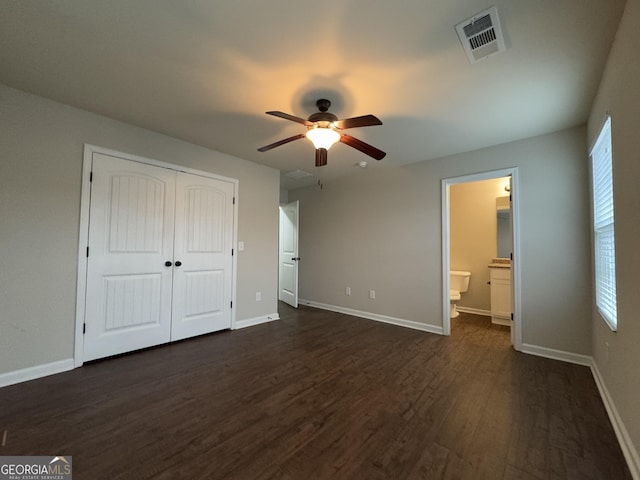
<point>206,71</point>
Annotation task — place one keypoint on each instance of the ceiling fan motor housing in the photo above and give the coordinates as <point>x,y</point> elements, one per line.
<point>323,118</point>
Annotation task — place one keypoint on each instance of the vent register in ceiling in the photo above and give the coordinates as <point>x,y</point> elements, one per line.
<point>481,36</point>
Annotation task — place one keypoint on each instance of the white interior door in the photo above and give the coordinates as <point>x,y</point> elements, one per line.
<point>288,279</point>
<point>128,297</point>
<point>203,256</point>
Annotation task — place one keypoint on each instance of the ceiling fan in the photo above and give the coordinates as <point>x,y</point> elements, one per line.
<point>324,129</point>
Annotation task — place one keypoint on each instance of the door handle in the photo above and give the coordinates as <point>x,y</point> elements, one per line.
<point>167,263</point>
<point>296,259</point>
<point>178,263</point>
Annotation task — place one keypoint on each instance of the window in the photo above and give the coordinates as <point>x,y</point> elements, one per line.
<point>603,232</point>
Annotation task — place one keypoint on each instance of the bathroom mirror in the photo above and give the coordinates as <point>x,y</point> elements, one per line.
<point>504,227</point>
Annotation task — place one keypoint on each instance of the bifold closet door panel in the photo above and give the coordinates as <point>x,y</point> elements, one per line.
<point>131,235</point>
<point>203,256</point>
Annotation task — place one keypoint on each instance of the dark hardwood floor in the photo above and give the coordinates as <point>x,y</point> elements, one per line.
<point>321,395</point>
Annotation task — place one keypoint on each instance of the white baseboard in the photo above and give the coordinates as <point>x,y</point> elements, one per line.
<point>501,321</point>
<point>250,322</point>
<point>374,316</point>
<point>629,451</point>
<point>39,371</point>
<point>556,354</point>
<point>475,311</point>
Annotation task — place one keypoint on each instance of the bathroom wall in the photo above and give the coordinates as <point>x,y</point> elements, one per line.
<point>473,236</point>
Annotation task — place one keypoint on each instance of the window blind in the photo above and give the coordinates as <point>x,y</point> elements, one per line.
<point>603,226</point>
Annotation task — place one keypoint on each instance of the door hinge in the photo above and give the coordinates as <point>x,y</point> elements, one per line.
<point>511,256</point>
<point>87,251</point>
<point>232,252</point>
<point>90,177</point>
<point>234,200</point>
<point>232,304</point>
<point>512,316</point>
<point>84,328</point>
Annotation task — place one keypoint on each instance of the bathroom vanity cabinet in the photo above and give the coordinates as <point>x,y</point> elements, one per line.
<point>500,278</point>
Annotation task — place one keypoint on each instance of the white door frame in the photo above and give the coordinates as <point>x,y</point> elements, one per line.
<point>515,232</point>
<point>83,239</point>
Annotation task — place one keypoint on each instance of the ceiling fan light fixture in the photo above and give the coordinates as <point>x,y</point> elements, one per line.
<point>323,137</point>
<point>324,129</point>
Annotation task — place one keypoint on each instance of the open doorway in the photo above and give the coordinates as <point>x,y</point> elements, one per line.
<point>507,192</point>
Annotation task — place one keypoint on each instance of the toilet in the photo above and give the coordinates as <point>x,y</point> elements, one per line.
<point>458,284</point>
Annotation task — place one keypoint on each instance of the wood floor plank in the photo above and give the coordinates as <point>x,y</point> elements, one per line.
<point>321,395</point>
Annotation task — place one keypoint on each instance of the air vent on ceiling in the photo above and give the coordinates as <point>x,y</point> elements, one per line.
<point>481,35</point>
<point>297,174</point>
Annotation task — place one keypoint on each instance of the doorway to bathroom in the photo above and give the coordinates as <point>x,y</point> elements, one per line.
<point>480,236</point>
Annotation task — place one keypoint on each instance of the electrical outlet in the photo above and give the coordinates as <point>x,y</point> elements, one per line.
<point>258,296</point>
<point>372,294</point>
<point>347,291</point>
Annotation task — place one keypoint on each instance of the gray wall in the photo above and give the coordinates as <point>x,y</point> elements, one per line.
<point>41,150</point>
<point>381,229</point>
<point>619,94</point>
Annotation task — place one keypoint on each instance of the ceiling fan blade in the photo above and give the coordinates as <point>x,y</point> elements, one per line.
<point>281,142</point>
<point>363,147</point>
<point>321,157</point>
<point>293,118</point>
<point>363,121</point>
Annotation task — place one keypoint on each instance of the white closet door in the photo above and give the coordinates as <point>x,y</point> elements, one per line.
<point>202,252</point>
<point>128,300</point>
